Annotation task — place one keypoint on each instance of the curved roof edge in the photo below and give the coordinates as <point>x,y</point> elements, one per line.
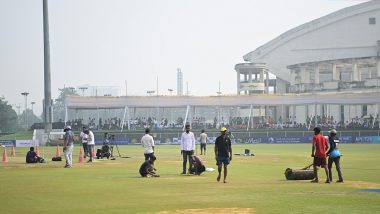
<point>336,98</point>
<point>312,25</point>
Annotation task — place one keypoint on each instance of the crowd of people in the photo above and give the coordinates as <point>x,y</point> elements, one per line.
<point>325,152</point>
<point>236,123</point>
<point>222,150</point>
<point>114,123</point>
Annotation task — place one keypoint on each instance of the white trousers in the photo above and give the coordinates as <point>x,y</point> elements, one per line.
<point>69,155</point>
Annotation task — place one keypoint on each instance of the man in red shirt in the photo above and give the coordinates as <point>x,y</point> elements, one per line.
<point>318,151</point>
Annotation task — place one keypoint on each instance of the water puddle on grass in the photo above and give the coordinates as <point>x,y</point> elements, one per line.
<point>212,211</point>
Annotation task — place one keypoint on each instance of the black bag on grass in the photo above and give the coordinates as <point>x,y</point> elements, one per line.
<point>56,159</point>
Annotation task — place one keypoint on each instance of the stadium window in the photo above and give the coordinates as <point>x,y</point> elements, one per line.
<point>372,20</point>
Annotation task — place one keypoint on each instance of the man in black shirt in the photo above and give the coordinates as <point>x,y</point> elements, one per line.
<point>223,153</point>
<point>147,168</point>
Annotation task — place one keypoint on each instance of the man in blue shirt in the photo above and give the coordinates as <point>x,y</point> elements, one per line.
<point>334,155</point>
<point>31,157</point>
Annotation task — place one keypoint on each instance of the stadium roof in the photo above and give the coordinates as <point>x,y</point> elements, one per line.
<point>80,102</point>
<point>324,50</point>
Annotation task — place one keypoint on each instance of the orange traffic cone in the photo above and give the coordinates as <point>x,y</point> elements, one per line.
<point>58,152</point>
<point>5,157</point>
<point>81,155</point>
<point>13,154</point>
<point>37,151</point>
<point>93,152</point>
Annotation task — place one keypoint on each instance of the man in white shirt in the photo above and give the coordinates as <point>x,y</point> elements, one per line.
<point>90,143</point>
<point>83,138</point>
<point>148,143</point>
<point>187,147</point>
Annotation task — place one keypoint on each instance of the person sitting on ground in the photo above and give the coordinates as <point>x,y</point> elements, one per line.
<point>31,157</point>
<point>147,168</point>
<point>198,166</point>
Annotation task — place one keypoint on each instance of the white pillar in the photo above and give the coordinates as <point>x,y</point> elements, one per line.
<point>316,73</point>
<point>335,72</point>
<point>378,69</point>
<point>238,81</point>
<point>267,82</point>
<point>305,76</point>
<point>292,77</point>
<point>355,73</point>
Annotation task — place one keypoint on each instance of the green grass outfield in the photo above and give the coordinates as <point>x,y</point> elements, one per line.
<point>255,184</point>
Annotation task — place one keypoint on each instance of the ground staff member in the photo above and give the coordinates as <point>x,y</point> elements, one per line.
<point>148,143</point>
<point>334,155</point>
<point>203,141</point>
<point>68,146</point>
<point>90,143</point>
<point>318,152</point>
<point>84,138</point>
<point>223,153</point>
<point>187,148</point>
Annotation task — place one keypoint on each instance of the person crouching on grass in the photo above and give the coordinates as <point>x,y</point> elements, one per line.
<point>223,153</point>
<point>147,168</point>
<point>31,157</point>
<point>318,152</point>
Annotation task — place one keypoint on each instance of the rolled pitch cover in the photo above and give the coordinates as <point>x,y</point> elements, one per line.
<point>299,174</point>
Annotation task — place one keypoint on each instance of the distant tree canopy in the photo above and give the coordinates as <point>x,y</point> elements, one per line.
<point>8,117</point>
<point>59,104</point>
<point>32,118</point>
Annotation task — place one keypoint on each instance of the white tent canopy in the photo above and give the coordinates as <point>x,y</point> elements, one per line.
<point>80,102</point>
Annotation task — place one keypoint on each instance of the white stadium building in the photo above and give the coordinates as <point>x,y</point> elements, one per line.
<point>338,52</point>
<point>329,67</point>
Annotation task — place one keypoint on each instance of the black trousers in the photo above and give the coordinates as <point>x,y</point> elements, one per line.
<point>186,155</point>
<point>149,156</point>
<point>85,151</point>
<point>337,165</point>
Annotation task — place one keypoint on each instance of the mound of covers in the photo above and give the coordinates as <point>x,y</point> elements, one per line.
<point>299,174</point>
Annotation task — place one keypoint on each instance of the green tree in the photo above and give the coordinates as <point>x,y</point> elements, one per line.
<point>32,118</point>
<point>59,104</point>
<point>8,117</point>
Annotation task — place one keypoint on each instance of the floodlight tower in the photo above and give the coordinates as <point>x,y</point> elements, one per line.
<point>25,94</point>
<point>47,79</point>
<point>179,82</point>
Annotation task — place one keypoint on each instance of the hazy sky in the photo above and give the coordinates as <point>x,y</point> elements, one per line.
<point>108,42</point>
